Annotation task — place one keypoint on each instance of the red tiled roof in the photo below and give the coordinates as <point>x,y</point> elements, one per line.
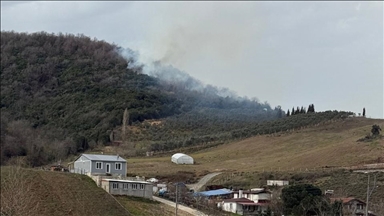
<point>243,200</point>
<point>253,204</point>
<point>345,200</point>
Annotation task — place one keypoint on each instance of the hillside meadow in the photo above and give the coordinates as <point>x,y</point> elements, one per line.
<point>330,144</point>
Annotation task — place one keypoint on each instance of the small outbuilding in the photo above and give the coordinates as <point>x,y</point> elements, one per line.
<point>128,187</point>
<point>180,158</point>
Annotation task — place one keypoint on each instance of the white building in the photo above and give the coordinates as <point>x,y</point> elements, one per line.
<point>128,187</point>
<point>257,195</point>
<point>277,182</point>
<point>242,206</point>
<point>180,158</point>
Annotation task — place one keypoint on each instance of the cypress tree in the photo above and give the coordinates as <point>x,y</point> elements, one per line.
<point>288,113</point>
<point>297,111</point>
<point>293,111</point>
<point>364,112</point>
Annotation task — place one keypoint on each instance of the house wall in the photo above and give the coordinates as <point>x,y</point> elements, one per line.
<point>82,165</point>
<point>352,207</point>
<point>232,207</point>
<point>260,196</point>
<point>130,191</point>
<point>113,170</point>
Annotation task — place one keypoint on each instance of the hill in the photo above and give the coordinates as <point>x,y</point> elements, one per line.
<point>35,192</point>
<point>43,193</point>
<point>327,144</point>
<point>64,94</point>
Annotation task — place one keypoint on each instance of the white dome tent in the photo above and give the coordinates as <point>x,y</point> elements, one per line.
<point>180,158</point>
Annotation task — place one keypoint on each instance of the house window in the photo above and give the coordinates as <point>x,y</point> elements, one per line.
<point>99,165</point>
<point>118,166</point>
<point>141,186</point>
<point>125,186</point>
<point>115,185</point>
<point>134,186</point>
<point>359,206</point>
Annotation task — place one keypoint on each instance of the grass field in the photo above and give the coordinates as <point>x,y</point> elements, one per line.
<point>329,144</point>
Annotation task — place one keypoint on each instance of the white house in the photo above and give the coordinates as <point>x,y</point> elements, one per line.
<point>277,182</point>
<point>180,158</point>
<point>242,206</point>
<point>128,187</point>
<point>95,164</point>
<point>257,195</point>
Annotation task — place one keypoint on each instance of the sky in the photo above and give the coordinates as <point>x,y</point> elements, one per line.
<point>287,53</point>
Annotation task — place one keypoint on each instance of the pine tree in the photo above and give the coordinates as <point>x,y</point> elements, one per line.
<point>288,113</point>
<point>293,111</point>
<point>313,108</point>
<point>364,112</point>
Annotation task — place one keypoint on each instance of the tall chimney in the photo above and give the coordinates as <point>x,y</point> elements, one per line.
<point>240,193</point>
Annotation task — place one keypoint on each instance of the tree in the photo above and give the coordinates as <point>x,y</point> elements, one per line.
<point>293,111</point>
<point>364,112</point>
<point>125,124</point>
<point>297,110</point>
<point>375,130</point>
<point>302,110</point>
<point>300,199</point>
<point>288,113</point>
<point>279,112</point>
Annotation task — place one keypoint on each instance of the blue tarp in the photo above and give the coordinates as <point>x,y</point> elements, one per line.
<point>218,192</point>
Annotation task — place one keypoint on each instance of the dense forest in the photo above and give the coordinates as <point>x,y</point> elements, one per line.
<point>63,94</point>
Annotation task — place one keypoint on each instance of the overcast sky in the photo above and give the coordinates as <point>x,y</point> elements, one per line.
<point>286,53</point>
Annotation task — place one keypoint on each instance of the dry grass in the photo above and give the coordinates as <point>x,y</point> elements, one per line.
<point>53,193</point>
<point>332,144</point>
<point>145,207</point>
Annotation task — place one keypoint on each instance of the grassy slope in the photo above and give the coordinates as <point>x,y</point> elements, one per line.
<point>330,144</point>
<point>55,193</point>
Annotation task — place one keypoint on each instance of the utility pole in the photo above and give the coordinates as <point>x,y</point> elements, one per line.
<point>366,207</point>
<point>177,185</point>
<point>369,193</point>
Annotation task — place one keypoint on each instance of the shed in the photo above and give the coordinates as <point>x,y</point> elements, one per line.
<point>180,158</point>
<point>128,187</point>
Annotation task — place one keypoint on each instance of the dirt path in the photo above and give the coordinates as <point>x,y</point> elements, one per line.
<point>179,207</point>
<point>203,181</point>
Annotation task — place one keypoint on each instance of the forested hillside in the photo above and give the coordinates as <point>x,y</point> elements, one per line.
<point>65,94</point>
<point>61,94</point>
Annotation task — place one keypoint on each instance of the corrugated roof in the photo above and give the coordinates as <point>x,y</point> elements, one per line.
<point>96,157</point>
<point>126,181</point>
<point>218,192</point>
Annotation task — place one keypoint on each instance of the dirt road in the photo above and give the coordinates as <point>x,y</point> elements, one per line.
<point>203,181</point>
<point>180,207</point>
